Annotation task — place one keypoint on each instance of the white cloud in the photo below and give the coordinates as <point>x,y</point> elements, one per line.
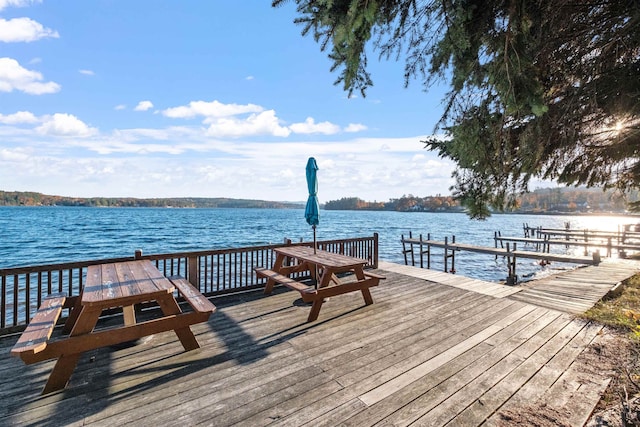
<point>65,125</point>
<point>222,121</point>
<point>120,107</point>
<point>87,72</point>
<point>249,78</point>
<point>23,30</point>
<point>265,123</point>
<point>127,162</point>
<point>144,106</point>
<point>16,3</point>
<point>16,155</point>
<point>355,127</point>
<point>310,126</point>
<point>14,77</point>
<point>210,110</point>
<point>18,118</point>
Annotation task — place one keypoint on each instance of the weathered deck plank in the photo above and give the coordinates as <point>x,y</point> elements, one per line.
<point>424,351</point>
<point>480,286</point>
<point>578,290</point>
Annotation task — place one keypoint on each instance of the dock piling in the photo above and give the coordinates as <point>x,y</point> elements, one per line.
<point>512,278</point>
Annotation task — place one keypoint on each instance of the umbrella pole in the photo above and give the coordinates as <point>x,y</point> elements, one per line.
<point>315,244</point>
<point>315,250</point>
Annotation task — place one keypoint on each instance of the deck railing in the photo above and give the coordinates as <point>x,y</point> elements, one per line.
<point>213,272</point>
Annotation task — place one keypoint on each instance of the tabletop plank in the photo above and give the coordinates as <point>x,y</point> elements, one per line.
<point>113,285</point>
<point>320,257</point>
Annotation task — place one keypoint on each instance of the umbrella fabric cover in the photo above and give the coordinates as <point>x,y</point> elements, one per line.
<point>312,210</point>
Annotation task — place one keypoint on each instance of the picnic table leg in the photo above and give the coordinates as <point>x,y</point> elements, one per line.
<point>73,316</point>
<point>315,309</point>
<point>268,288</point>
<point>61,373</point>
<point>169,306</point>
<point>129,314</point>
<point>327,277</point>
<point>366,294</point>
<point>66,363</point>
<point>277,267</point>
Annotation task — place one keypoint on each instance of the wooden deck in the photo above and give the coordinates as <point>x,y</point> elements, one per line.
<point>425,353</point>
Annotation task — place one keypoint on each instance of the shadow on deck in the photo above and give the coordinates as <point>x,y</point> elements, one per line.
<point>425,352</point>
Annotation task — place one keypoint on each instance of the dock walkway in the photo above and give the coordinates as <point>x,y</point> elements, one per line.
<point>573,291</point>
<point>452,246</point>
<point>586,244</point>
<point>425,352</point>
<point>578,290</point>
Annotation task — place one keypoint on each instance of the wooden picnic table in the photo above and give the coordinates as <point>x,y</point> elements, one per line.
<point>324,267</point>
<point>109,286</point>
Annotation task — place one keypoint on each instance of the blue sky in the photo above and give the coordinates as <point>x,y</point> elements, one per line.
<point>158,98</point>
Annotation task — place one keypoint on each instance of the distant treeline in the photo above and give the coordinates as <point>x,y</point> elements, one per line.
<point>19,198</point>
<point>403,204</point>
<point>546,200</point>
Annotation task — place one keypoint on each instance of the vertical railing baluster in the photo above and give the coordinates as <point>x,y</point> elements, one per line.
<point>39,298</point>
<point>27,292</point>
<point>49,282</point>
<point>3,301</point>
<point>80,282</point>
<point>15,299</point>
<point>70,272</point>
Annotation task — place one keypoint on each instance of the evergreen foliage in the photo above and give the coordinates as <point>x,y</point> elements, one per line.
<point>542,88</point>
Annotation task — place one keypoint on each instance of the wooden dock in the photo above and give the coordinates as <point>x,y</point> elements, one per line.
<point>542,256</point>
<point>511,253</point>
<point>547,243</point>
<point>425,352</point>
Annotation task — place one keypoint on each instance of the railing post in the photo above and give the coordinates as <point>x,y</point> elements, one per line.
<point>446,242</point>
<point>512,278</point>
<point>194,272</point>
<point>413,258</point>
<point>287,260</point>
<point>375,250</point>
<point>429,252</point>
<point>138,254</point>
<point>404,250</point>
<point>453,256</point>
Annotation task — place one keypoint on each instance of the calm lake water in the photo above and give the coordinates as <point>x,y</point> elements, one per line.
<point>43,235</point>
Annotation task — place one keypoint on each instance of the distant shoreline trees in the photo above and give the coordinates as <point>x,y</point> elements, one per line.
<point>540,201</point>
<point>19,198</point>
<point>546,200</point>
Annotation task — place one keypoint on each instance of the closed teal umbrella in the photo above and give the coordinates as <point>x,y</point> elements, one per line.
<point>312,210</point>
